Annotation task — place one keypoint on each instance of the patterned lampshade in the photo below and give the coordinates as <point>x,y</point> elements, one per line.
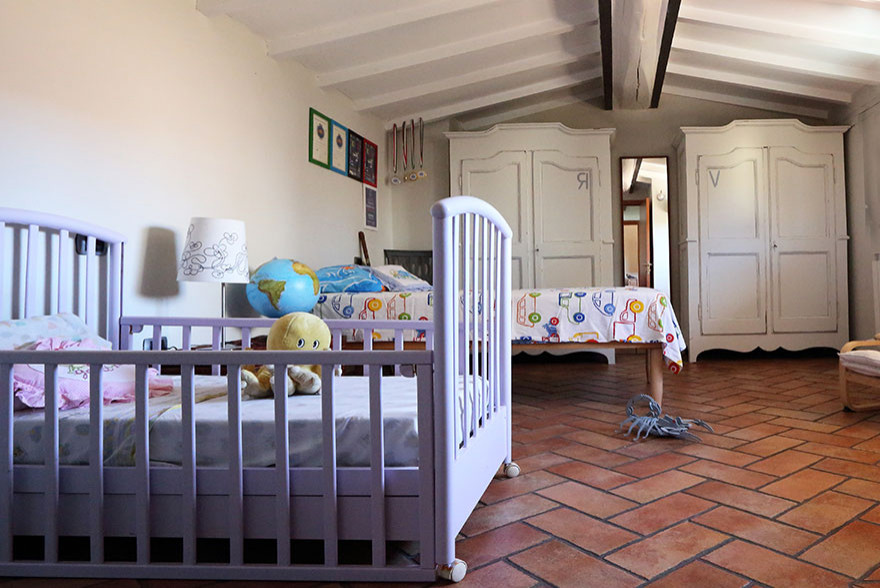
<point>215,251</point>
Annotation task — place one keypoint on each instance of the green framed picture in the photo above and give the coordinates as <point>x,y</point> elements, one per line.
<point>319,138</point>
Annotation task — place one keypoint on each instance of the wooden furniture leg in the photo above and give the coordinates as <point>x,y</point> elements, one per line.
<point>654,365</point>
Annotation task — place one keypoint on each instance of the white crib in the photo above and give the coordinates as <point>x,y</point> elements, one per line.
<point>278,522</point>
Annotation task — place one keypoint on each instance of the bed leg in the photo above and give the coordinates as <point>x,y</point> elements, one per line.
<point>654,366</point>
<point>454,571</point>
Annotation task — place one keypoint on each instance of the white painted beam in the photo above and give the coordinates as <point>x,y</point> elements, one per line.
<point>779,61</point>
<point>771,105</point>
<point>773,85</point>
<point>507,114</point>
<point>554,58</point>
<point>343,29</point>
<point>545,28</point>
<point>636,25</point>
<point>825,36</point>
<point>449,110</point>
<point>218,7</point>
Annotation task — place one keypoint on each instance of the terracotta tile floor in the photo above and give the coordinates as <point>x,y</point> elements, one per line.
<point>785,493</point>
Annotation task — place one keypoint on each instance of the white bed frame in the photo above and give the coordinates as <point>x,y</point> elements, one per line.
<point>237,504</point>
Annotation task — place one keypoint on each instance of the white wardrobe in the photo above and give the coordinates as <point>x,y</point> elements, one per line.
<point>763,236</point>
<point>553,185</point>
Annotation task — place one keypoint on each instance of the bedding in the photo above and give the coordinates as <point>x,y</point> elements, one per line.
<point>397,279</point>
<point>21,332</point>
<point>399,408</point>
<point>560,315</point>
<point>348,278</point>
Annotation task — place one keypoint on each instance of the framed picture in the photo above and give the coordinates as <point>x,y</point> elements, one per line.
<point>355,156</point>
<point>319,138</point>
<point>338,148</point>
<point>371,162</point>
<point>371,208</point>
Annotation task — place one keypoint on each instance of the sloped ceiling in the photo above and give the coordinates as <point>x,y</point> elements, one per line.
<point>482,61</point>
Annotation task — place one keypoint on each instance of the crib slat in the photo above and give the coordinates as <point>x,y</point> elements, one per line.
<point>496,335</point>
<point>282,469</point>
<point>6,478</point>
<point>215,345</point>
<point>485,302</point>
<point>328,416</point>
<point>245,337</point>
<point>187,336</point>
<point>50,432</point>
<point>463,329</point>
<point>474,338</point>
<point>425,392</point>
<point>157,341</point>
<point>96,462</point>
<point>64,264</point>
<point>33,273</point>
<point>453,341</point>
<point>377,468</point>
<point>142,462</point>
<point>91,280</point>
<point>188,502</point>
<point>114,297</point>
<point>236,483</point>
<point>398,346</point>
<point>367,334</point>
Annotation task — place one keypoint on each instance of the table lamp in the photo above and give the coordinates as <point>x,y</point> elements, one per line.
<point>215,251</point>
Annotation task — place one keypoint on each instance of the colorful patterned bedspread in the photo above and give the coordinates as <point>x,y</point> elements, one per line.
<point>642,315</point>
<point>636,315</point>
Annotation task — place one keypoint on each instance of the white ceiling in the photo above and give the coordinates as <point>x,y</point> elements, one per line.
<point>482,61</point>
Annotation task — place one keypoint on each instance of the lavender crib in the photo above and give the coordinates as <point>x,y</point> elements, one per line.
<point>283,511</point>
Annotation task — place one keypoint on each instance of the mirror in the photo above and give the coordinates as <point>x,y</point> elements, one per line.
<point>645,207</point>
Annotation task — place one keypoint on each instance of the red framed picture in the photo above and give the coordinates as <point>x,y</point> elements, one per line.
<point>371,162</point>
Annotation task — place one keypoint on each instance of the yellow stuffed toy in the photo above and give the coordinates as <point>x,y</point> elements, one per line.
<point>295,331</point>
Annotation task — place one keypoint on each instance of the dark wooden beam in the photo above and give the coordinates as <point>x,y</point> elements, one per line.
<point>605,38</point>
<point>635,175</point>
<point>665,48</point>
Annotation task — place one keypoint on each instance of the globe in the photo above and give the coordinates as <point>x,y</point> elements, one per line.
<point>282,286</point>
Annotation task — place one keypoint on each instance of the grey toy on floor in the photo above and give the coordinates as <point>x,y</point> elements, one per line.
<point>662,426</point>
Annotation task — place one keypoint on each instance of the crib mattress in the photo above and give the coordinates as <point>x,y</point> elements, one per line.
<point>351,395</point>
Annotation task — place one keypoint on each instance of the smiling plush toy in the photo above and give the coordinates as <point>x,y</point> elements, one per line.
<point>294,331</point>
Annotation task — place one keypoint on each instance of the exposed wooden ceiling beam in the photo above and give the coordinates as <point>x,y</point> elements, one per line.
<point>772,85</point>
<point>348,29</point>
<point>449,110</point>
<point>672,9</point>
<point>545,28</point>
<point>780,61</point>
<point>607,68</point>
<point>764,104</point>
<point>552,59</point>
<point>848,40</point>
<point>635,174</point>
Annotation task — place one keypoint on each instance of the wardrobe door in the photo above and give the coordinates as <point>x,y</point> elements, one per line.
<point>504,181</point>
<point>568,245</point>
<point>733,242</point>
<point>803,274</point>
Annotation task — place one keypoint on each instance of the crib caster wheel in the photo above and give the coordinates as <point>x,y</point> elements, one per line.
<point>511,470</point>
<point>454,572</point>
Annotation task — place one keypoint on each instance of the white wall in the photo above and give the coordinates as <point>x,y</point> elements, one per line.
<point>862,147</point>
<point>141,114</point>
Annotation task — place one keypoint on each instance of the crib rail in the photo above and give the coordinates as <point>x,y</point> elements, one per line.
<point>235,503</point>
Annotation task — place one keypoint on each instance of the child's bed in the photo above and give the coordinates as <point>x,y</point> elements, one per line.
<point>371,480</point>
<point>559,320</point>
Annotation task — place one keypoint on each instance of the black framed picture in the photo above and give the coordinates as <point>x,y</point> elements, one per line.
<point>371,208</point>
<point>355,156</point>
<point>371,162</point>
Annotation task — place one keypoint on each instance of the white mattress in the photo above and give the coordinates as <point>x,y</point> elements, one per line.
<point>399,404</point>
<point>862,361</point>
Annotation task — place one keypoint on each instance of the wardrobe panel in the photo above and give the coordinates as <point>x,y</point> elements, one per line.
<point>802,196</point>
<point>805,292</point>
<point>734,294</point>
<point>731,195</point>
<point>568,272</point>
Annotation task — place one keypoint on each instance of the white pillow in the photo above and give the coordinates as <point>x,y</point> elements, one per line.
<point>398,279</point>
<point>862,361</point>
<point>21,332</point>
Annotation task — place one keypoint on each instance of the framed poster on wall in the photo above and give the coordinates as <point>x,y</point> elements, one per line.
<point>371,162</point>
<point>355,156</point>
<point>319,138</point>
<point>338,148</point>
<point>371,207</point>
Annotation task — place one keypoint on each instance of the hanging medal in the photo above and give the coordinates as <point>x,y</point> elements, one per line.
<point>422,174</point>
<point>395,179</point>
<point>405,153</point>
<point>412,176</point>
